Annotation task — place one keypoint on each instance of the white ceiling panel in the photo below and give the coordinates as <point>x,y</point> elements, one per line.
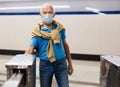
<point>74,5</point>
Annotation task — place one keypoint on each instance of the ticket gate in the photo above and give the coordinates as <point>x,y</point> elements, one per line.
<point>21,71</point>
<point>110,71</point>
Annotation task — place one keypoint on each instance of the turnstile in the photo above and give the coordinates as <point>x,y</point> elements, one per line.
<point>110,71</point>
<point>21,71</point>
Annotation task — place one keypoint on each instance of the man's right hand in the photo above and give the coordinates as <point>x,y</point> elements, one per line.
<point>30,50</point>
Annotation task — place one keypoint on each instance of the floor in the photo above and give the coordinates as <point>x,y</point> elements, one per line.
<point>86,73</point>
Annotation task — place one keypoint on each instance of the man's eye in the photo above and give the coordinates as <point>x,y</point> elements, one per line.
<point>45,12</point>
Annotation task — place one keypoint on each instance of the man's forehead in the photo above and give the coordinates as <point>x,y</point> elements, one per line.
<point>47,8</point>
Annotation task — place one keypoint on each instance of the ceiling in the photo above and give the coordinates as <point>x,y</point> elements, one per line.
<point>72,5</point>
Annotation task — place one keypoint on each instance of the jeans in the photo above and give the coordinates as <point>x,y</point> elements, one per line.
<point>58,68</point>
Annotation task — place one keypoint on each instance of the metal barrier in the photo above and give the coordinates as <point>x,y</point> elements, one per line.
<point>110,71</point>
<point>21,71</point>
<point>14,81</point>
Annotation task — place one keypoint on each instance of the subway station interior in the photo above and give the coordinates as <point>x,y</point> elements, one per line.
<point>92,32</point>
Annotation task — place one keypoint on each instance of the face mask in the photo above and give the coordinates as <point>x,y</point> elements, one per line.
<point>48,18</point>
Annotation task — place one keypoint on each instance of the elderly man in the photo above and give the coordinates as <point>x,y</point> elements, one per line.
<point>49,39</point>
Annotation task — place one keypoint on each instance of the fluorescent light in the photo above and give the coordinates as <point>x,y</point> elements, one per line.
<point>34,7</point>
<point>101,13</point>
<point>61,6</point>
<point>13,8</point>
<point>94,10</point>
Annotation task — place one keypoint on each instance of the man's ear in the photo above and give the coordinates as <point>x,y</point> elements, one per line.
<point>54,15</point>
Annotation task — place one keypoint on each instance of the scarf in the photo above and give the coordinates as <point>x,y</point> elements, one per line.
<point>53,37</point>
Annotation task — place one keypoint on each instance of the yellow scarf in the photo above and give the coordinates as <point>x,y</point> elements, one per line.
<point>53,37</point>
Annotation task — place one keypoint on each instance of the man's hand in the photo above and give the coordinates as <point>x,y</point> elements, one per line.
<point>70,69</point>
<point>30,50</point>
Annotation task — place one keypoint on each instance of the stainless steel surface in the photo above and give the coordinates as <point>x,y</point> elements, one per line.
<point>14,81</point>
<point>110,71</point>
<point>21,61</point>
<point>22,64</point>
<point>113,59</point>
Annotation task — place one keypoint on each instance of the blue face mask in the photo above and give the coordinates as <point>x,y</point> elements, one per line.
<point>48,18</point>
